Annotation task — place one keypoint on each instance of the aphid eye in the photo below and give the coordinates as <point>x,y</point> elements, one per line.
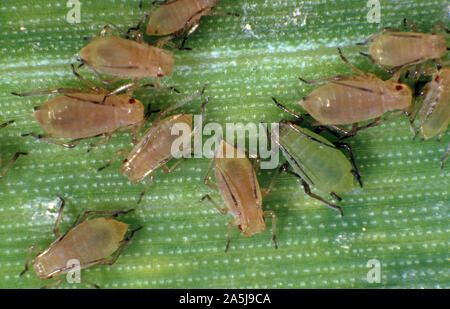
<point>240,227</point>
<point>125,161</point>
<point>398,87</point>
<point>160,75</point>
<point>131,101</point>
<point>436,79</point>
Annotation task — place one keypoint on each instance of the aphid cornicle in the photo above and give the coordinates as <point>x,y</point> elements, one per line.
<point>315,160</point>
<point>238,185</point>
<point>356,98</point>
<point>125,58</point>
<point>86,243</point>
<point>14,159</point>
<point>434,112</point>
<point>154,149</point>
<point>174,17</point>
<point>394,49</point>
<point>81,114</point>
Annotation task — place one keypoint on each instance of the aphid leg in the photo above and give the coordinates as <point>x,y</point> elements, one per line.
<point>274,225</point>
<point>107,137</point>
<point>169,170</point>
<point>28,259</point>
<point>104,80</point>
<point>150,181</point>
<point>355,170</point>
<point>177,105</point>
<point>410,24</point>
<point>324,80</point>
<point>376,63</point>
<point>223,210</point>
<point>369,39</point>
<point>8,166</point>
<point>123,244</point>
<point>214,13</point>
<point>351,65</point>
<point>117,90</point>
<point>412,113</point>
<point>376,122</point>
<point>308,192</point>
<point>6,124</point>
<point>71,144</point>
<point>445,156</point>
<point>85,81</point>
<point>230,226</point>
<point>58,281</point>
<point>334,195</point>
<point>188,34</point>
<point>281,106</point>
<point>266,191</point>
<point>59,90</point>
<point>111,213</point>
<point>207,180</point>
<point>58,219</point>
<point>120,152</point>
<point>439,26</point>
<point>322,128</point>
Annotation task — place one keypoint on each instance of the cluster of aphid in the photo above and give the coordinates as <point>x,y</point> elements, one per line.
<point>81,114</point>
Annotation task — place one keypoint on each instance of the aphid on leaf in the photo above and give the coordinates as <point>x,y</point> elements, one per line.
<point>356,98</point>
<point>238,185</point>
<point>81,114</point>
<point>392,49</point>
<point>123,58</point>
<point>316,161</point>
<point>154,149</point>
<point>88,242</point>
<point>434,112</point>
<point>172,18</point>
<point>14,159</point>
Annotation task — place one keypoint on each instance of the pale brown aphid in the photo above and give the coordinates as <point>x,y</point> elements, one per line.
<point>434,112</point>
<point>126,58</point>
<point>175,17</point>
<point>238,185</point>
<point>89,242</point>
<point>356,98</point>
<point>392,49</point>
<point>154,149</point>
<point>80,114</point>
<point>14,159</point>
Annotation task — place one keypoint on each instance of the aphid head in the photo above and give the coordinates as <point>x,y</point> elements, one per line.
<point>401,96</point>
<point>252,227</point>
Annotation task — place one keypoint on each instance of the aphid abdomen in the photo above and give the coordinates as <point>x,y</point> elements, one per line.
<point>150,154</point>
<point>435,110</point>
<point>239,188</point>
<point>401,48</point>
<point>175,16</point>
<point>87,242</point>
<point>126,58</point>
<point>321,166</point>
<point>81,115</point>
<point>355,100</point>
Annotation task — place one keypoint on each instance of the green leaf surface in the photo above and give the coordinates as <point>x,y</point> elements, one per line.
<point>400,217</point>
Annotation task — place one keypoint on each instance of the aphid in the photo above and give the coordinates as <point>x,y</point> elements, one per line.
<point>394,49</point>
<point>434,113</point>
<point>356,98</point>
<point>126,58</point>
<point>80,114</point>
<point>315,160</point>
<point>85,244</point>
<point>175,17</point>
<point>238,185</point>
<point>14,159</point>
<point>154,149</point>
